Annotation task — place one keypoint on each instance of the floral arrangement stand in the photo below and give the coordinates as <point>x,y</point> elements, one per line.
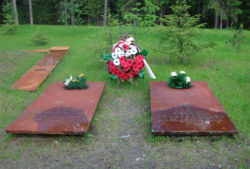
<point>32,79</point>
<point>127,61</point>
<point>190,111</point>
<point>60,111</point>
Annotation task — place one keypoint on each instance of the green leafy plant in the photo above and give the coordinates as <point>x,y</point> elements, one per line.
<point>40,38</point>
<point>9,24</point>
<point>78,83</point>
<point>237,39</point>
<point>179,81</point>
<point>112,19</point>
<point>180,31</point>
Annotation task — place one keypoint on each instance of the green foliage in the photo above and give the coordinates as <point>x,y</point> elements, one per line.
<point>180,31</point>
<point>107,57</point>
<point>237,39</point>
<point>78,83</point>
<point>112,19</point>
<point>145,14</point>
<point>40,38</point>
<point>179,81</point>
<point>71,11</point>
<point>222,69</point>
<point>9,24</point>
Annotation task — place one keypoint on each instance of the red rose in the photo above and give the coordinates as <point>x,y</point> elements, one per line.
<point>117,70</point>
<point>136,73</point>
<point>112,70</point>
<point>123,58</point>
<point>124,64</point>
<point>140,65</point>
<point>139,58</point>
<point>130,62</point>
<point>111,64</point>
<point>127,68</point>
<point>125,76</point>
<point>125,47</point>
<point>135,68</point>
<point>120,73</point>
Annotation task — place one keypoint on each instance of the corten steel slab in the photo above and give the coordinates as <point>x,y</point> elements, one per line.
<point>39,51</point>
<point>32,79</point>
<point>193,111</point>
<point>60,111</point>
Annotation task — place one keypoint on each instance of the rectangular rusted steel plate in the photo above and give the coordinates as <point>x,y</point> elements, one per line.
<point>193,111</point>
<point>60,111</point>
<point>32,79</point>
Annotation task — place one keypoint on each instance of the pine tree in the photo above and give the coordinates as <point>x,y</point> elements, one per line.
<point>180,31</point>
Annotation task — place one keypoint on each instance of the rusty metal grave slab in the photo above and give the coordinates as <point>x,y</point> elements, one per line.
<point>60,111</point>
<point>32,79</point>
<point>193,111</point>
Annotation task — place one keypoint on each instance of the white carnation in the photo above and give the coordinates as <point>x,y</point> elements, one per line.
<point>120,54</point>
<point>116,62</point>
<point>188,79</point>
<point>182,72</point>
<point>117,50</point>
<point>133,50</point>
<point>67,81</point>
<point>173,74</point>
<point>114,55</point>
<point>128,53</point>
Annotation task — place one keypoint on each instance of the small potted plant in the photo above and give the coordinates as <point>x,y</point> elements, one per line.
<point>78,83</point>
<point>179,80</point>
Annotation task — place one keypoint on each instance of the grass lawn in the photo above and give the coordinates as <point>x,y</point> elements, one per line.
<point>124,110</point>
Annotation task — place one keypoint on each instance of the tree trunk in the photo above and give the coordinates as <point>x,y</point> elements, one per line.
<point>161,16</point>
<point>15,11</point>
<point>72,18</point>
<point>88,19</point>
<point>30,11</point>
<point>216,19</point>
<point>65,12</point>
<point>199,7</point>
<point>221,26</point>
<point>105,12</point>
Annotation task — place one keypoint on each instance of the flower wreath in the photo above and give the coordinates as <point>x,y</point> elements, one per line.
<point>126,62</point>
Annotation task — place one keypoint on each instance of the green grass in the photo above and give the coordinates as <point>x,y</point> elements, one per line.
<point>226,71</point>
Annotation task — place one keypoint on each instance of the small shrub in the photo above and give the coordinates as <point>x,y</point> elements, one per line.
<point>9,26</point>
<point>237,39</point>
<point>40,38</point>
<point>180,31</point>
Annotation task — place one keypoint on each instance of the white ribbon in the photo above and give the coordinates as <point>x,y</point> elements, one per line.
<point>150,72</point>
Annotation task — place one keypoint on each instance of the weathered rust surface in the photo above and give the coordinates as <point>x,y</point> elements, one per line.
<point>39,51</point>
<point>60,111</point>
<point>193,111</point>
<point>31,80</point>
